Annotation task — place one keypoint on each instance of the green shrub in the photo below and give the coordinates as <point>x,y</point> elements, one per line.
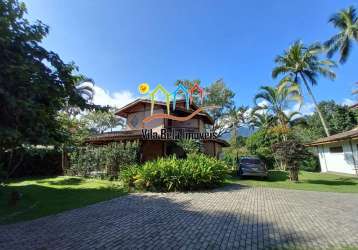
<point>198,171</point>
<point>190,146</point>
<point>310,163</point>
<point>108,159</point>
<point>30,161</point>
<point>260,144</point>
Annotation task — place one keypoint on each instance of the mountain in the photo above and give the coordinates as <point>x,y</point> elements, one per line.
<point>242,131</point>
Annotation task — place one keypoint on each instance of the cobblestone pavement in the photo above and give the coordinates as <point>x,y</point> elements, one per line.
<point>226,218</point>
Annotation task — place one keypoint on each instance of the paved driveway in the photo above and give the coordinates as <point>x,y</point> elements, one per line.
<point>230,217</point>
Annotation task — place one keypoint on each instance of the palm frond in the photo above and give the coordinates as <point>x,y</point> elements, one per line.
<point>345,50</point>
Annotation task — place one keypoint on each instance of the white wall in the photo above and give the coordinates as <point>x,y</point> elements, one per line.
<point>339,162</point>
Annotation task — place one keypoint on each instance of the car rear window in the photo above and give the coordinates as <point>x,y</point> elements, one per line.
<point>251,161</point>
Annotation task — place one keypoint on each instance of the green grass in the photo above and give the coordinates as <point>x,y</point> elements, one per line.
<point>323,182</point>
<point>45,196</point>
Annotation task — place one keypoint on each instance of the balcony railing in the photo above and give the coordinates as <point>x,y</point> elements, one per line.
<point>186,129</point>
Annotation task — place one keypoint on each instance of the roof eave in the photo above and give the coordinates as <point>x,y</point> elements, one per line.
<point>319,143</point>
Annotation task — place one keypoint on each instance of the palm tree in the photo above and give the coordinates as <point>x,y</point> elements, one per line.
<point>84,91</point>
<point>262,119</point>
<point>237,117</point>
<point>347,22</point>
<point>275,101</point>
<point>302,64</point>
<point>84,88</point>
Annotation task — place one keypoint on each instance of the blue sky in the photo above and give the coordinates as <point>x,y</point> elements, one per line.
<point>123,43</point>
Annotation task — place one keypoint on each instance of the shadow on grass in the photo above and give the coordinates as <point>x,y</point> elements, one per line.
<point>332,182</point>
<point>273,176</point>
<point>276,175</point>
<point>37,200</point>
<point>67,181</point>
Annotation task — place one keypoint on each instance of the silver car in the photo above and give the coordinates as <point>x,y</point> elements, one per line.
<point>252,166</point>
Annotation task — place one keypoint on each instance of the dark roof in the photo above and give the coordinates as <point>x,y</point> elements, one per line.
<point>354,106</point>
<point>130,135</point>
<point>351,134</point>
<point>123,111</point>
<point>114,136</point>
<point>222,142</point>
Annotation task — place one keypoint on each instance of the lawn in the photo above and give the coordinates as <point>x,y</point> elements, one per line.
<point>45,196</point>
<point>323,182</point>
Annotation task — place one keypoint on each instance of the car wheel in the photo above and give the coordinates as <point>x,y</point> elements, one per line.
<point>239,172</point>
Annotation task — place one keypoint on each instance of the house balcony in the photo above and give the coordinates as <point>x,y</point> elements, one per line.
<point>184,129</point>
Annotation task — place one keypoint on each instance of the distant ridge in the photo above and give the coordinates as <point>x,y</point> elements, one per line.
<point>242,131</point>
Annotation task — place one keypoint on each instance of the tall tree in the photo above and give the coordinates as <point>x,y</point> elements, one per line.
<point>261,119</point>
<point>339,119</point>
<point>187,83</point>
<point>84,88</point>
<point>219,95</point>
<point>302,64</point>
<point>35,84</point>
<point>346,22</point>
<point>237,118</point>
<point>100,120</point>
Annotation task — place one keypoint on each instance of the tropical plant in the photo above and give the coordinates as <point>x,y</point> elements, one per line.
<point>83,88</point>
<point>260,144</point>
<point>108,159</point>
<point>187,83</point>
<point>237,118</point>
<point>236,150</point>
<point>292,152</point>
<point>35,84</point>
<point>302,64</point>
<point>261,119</point>
<point>190,146</point>
<point>339,119</point>
<point>346,22</point>
<point>219,95</point>
<point>275,101</point>
<point>101,120</point>
<point>198,171</point>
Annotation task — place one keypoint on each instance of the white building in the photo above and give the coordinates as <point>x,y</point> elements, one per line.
<point>338,153</point>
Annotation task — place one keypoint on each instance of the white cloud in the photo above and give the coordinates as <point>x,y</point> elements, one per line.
<point>261,104</point>
<point>116,99</point>
<point>348,102</point>
<point>307,109</point>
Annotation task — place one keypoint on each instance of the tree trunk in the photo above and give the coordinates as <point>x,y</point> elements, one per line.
<point>293,173</point>
<point>323,121</point>
<point>63,158</point>
<point>11,171</point>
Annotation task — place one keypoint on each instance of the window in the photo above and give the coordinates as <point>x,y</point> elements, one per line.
<point>250,161</point>
<point>336,149</point>
<point>134,121</point>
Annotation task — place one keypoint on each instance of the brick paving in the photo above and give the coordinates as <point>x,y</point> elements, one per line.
<point>232,217</point>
